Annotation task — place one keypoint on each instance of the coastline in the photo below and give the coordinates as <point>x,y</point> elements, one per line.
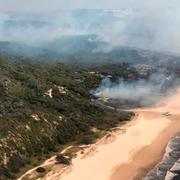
<point>168,168</point>
<point>139,164</point>
<point>100,163</point>
<point>129,152</point>
<point>98,152</point>
<point>147,157</point>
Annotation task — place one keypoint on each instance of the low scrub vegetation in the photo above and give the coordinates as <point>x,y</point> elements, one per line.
<point>44,105</point>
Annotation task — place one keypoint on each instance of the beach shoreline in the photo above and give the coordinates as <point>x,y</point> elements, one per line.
<point>99,157</point>
<point>129,151</point>
<point>139,164</point>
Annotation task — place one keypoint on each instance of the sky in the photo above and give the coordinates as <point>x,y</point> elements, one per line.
<point>52,5</point>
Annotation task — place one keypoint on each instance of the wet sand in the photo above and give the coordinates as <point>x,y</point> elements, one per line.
<point>147,157</point>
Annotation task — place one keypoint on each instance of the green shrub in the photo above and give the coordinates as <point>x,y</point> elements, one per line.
<point>40,170</point>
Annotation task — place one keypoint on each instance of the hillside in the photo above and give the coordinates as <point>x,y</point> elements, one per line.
<point>45,106</point>
<point>84,49</point>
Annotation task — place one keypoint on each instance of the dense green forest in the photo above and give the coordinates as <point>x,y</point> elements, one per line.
<point>45,105</point>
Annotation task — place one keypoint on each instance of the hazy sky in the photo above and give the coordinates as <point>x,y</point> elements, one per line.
<point>50,5</point>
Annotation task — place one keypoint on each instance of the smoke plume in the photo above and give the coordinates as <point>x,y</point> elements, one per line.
<point>143,92</point>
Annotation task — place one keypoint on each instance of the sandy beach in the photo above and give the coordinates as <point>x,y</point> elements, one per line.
<point>148,156</point>
<point>131,151</point>
<point>104,161</point>
<point>144,159</point>
<point>134,152</point>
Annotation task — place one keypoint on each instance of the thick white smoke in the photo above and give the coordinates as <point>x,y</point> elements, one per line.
<point>143,92</point>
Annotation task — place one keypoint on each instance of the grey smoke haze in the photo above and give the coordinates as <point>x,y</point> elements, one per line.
<point>142,24</point>
<point>149,29</point>
<point>51,5</point>
<point>143,92</point>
